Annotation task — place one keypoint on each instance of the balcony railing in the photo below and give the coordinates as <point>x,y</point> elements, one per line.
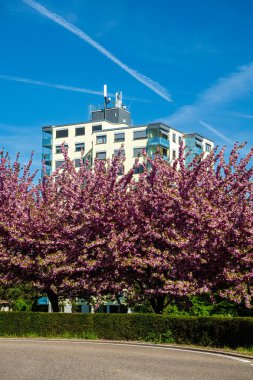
<point>46,156</point>
<point>47,142</point>
<point>48,171</point>
<point>165,158</point>
<point>196,150</point>
<point>158,141</point>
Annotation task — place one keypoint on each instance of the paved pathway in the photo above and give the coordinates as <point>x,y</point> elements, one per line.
<point>36,359</point>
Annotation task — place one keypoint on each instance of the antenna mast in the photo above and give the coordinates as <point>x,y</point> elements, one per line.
<point>106,98</point>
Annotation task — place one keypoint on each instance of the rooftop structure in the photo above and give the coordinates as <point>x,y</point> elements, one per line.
<point>110,130</point>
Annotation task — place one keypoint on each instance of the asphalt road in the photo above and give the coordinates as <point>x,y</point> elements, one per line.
<point>76,360</point>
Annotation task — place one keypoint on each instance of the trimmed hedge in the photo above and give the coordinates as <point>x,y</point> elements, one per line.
<point>203,331</point>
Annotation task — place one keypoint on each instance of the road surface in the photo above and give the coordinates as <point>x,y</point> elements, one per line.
<point>35,359</point>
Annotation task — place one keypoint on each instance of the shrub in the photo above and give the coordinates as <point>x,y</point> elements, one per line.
<point>203,331</point>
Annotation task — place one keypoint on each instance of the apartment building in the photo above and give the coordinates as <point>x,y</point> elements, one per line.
<point>109,130</point>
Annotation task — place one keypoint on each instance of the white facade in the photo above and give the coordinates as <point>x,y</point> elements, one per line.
<point>108,131</point>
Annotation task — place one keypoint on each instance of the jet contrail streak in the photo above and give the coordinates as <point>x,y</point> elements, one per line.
<point>46,84</point>
<point>148,82</point>
<point>216,132</point>
<point>63,87</point>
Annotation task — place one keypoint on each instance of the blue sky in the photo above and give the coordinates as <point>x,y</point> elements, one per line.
<point>186,63</point>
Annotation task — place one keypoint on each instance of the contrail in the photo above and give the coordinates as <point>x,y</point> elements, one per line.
<point>63,87</point>
<point>216,132</point>
<point>148,82</point>
<point>46,84</point>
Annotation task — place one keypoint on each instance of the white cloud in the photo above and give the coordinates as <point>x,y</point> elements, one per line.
<point>148,82</point>
<point>225,91</point>
<point>245,116</point>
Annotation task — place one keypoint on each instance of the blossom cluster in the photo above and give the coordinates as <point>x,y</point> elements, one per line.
<point>177,231</point>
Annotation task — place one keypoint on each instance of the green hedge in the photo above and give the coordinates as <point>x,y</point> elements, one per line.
<point>203,331</point>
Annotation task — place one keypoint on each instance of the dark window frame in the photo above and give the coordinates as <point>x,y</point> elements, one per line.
<point>59,163</point>
<point>80,134</point>
<point>77,162</point>
<point>58,148</point>
<point>116,152</point>
<point>82,148</point>
<point>97,153</point>
<point>140,150</point>
<point>119,139</point>
<point>140,137</point>
<point>139,169</point>
<point>58,132</point>
<point>104,139</point>
<point>96,128</point>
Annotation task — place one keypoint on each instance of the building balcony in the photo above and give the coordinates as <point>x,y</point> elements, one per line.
<point>196,150</point>
<point>47,142</point>
<point>46,157</point>
<point>47,172</point>
<point>165,158</point>
<point>160,141</point>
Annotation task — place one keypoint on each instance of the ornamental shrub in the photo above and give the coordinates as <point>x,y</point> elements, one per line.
<point>202,331</point>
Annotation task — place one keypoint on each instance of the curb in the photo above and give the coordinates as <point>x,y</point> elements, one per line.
<point>177,347</point>
<point>137,343</point>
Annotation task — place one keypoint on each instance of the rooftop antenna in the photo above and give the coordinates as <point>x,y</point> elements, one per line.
<point>91,108</point>
<point>106,98</point>
<point>118,100</point>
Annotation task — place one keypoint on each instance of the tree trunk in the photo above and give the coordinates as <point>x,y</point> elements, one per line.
<point>54,300</point>
<point>158,304</point>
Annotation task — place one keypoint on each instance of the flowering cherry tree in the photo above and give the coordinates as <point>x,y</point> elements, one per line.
<point>61,239</point>
<point>15,201</point>
<point>189,230</point>
<point>177,232</point>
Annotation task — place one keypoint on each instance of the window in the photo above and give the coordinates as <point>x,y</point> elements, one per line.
<point>79,147</point>
<point>139,169</point>
<point>121,170</point>
<point>119,137</point>
<point>174,137</point>
<point>80,131</point>
<point>174,154</point>
<point>101,139</point>
<point>179,139</point>
<point>164,134</point>
<point>101,155</point>
<point>59,147</point>
<point>62,133</point>
<point>58,163</point>
<point>96,128</point>
<point>122,151</point>
<point>77,162</point>
<point>140,135</point>
<point>208,147</point>
<point>138,151</point>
